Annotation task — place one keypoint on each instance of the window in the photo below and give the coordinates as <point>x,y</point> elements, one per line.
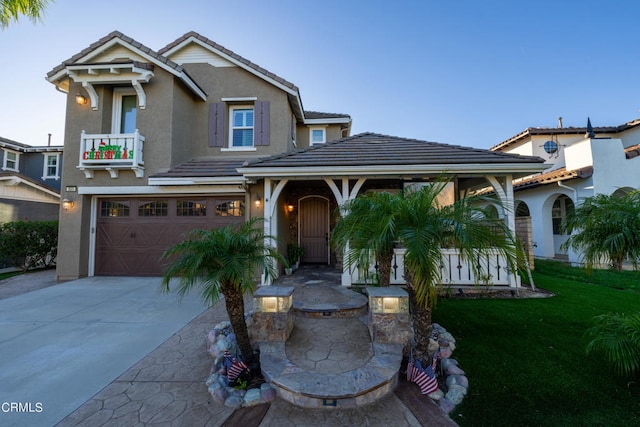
<point>191,208</point>
<point>154,208</point>
<point>125,106</point>
<point>241,127</point>
<point>317,136</point>
<point>11,160</point>
<point>114,208</point>
<point>50,170</point>
<point>231,208</point>
<point>562,206</point>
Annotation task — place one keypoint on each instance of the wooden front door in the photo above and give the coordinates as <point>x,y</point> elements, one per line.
<point>314,229</point>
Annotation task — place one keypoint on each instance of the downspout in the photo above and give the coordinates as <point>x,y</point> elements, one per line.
<point>575,192</point>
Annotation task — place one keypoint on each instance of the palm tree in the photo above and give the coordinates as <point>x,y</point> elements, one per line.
<point>10,10</point>
<point>426,227</point>
<point>418,222</point>
<point>617,336</point>
<point>606,227</point>
<point>369,231</point>
<point>222,262</point>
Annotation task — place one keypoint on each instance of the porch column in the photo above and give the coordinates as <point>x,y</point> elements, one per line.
<point>343,196</point>
<point>504,191</point>
<point>271,195</point>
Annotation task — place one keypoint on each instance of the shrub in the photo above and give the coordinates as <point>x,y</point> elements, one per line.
<point>27,244</point>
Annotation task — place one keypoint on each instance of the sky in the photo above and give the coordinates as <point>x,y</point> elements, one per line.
<point>463,72</point>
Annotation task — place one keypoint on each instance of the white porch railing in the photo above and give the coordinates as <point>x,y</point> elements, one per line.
<point>493,270</point>
<point>111,153</point>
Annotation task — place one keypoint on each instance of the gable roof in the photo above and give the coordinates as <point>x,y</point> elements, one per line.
<point>59,74</point>
<point>193,37</point>
<point>529,132</point>
<point>376,154</point>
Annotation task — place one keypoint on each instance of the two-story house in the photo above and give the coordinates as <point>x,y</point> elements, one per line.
<point>29,181</point>
<point>583,162</point>
<point>195,136</point>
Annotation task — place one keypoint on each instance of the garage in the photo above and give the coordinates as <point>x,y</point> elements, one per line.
<point>133,233</point>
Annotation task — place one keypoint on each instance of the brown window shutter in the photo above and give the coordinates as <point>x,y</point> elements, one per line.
<point>216,124</point>
<point>261,124</point>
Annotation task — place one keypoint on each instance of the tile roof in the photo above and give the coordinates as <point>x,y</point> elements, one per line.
<point>633,151</point>
<point>203,168</point>
<point>560,174</point>
<point>319,115</point>
<point>528,132</point>
<point>368,149</point>
<point>107,38</point>
<point>229,53</point>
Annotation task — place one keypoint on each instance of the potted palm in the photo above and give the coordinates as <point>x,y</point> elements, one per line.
<point>294,254</point>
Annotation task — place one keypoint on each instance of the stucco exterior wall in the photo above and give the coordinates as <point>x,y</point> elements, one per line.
<point>234,82</point>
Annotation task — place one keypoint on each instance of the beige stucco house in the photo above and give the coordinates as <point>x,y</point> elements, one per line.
<point>195,136</point>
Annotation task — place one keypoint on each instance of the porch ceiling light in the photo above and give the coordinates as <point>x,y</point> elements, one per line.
<point>80,99</point>
<point>273,299</point>
<point>388,300</point>
<point>67,204</point>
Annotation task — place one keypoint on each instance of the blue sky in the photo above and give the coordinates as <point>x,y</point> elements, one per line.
<point>462,72</point>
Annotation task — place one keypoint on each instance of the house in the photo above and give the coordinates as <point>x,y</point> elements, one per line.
<point>195,136</point>
<point>29,181</point>
<point>583,162</point>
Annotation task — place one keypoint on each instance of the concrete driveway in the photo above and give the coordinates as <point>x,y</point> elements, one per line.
<point>62,344</point>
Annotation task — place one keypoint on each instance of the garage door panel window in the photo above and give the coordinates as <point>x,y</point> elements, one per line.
<point>191,208</point>
<point>109,208</point>
<point>231,208</point>
<point>154,208</point>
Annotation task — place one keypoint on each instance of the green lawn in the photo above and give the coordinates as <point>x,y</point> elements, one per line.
<point>526,360</point>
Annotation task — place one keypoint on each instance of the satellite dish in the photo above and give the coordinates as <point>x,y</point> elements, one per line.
<point>551,147</point>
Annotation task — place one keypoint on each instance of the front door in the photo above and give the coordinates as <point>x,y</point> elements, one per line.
<point>314,229</point>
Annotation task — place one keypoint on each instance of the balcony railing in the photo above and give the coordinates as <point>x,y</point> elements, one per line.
<point>491,269</point>
<point>111,153</point>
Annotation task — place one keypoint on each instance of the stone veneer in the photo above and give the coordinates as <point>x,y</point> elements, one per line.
<point>358,387</point>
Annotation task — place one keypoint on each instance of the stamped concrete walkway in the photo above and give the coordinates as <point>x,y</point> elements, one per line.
<point>166,387</point>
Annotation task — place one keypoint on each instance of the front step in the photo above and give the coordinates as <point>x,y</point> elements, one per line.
<point>331,363</point>
<point>322,301</point>
<point>350,389</point>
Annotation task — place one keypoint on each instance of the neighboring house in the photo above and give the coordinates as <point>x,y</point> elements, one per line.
<point>582,162</point>
<point>29,181</point>
<point>195,136</point>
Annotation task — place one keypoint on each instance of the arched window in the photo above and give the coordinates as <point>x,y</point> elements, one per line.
<point>562,206</point>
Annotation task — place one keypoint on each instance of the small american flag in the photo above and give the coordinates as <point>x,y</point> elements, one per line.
<point>424,378</point>
<point>236,369</point>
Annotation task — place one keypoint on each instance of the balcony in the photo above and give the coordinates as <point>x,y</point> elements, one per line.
<point>111,153</point>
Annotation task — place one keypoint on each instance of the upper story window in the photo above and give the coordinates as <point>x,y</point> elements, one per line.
<point>51,166</point>
<point>236,124</point>
<point>241,128</point>
<point>11,160</point>
<point>317,135</point>
<point>125,107</point>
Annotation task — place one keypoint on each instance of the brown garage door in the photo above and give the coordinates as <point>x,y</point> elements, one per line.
<point>133,233</point>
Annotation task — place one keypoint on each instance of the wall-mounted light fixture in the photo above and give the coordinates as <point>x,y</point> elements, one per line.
<point>257,201</point>
<point>67,204</point>
<point>290,207</point>
<point>80,99</point>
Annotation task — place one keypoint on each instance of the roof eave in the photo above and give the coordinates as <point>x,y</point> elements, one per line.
<point>390,170</point>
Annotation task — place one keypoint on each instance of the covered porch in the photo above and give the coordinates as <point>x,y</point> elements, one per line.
<point>300,194</point>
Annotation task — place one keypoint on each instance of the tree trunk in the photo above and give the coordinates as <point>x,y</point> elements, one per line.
<point>234,302</point>
<point>421,319</point>
<point>384,268</point>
